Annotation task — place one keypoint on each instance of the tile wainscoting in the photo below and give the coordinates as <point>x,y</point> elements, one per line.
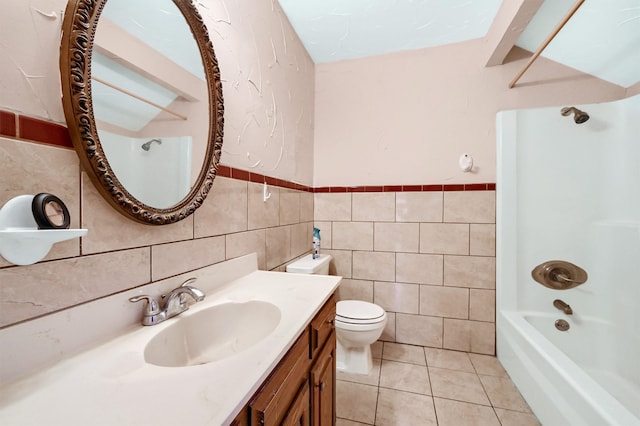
<point>426,253</point>
<point>428,258</point>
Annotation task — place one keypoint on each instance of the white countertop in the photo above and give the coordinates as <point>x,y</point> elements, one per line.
<point>111,384</point>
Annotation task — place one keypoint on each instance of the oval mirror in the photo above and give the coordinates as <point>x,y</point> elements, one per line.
<point>142,98</point>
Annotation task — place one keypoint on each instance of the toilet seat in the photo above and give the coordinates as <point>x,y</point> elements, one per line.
<point>359,312</point>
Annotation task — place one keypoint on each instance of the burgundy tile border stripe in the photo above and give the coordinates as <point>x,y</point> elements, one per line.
<point>33,129</point>
<point>24,127</point>
<point>43,131</point>
<point>8,124</point>
<point>409,188</point>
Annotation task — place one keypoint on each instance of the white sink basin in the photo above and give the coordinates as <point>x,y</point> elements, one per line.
<point>212,334</point>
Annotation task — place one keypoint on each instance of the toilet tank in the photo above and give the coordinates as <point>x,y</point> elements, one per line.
<point>308,265</point>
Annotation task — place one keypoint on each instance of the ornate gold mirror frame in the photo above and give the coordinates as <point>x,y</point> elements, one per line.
<point>78,33</point>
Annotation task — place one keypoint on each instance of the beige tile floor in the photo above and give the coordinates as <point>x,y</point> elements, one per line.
<point>414,385</point>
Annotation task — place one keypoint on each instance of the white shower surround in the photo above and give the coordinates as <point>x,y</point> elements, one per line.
<point>570,192</point>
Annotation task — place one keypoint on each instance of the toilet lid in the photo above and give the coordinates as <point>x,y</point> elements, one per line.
<point>357,311</point>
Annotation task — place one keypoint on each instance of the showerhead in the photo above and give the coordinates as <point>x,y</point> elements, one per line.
<point>147,145</point>
<point>578,116</point>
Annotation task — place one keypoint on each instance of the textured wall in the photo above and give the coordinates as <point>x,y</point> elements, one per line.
<point>268,79</point>
<point>268,89</point>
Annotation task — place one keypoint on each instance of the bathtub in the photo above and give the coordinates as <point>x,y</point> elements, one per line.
<point>543,363</point>
<point>569,192</point>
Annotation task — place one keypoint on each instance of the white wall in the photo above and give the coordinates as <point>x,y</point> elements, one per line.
<point>405,118</point>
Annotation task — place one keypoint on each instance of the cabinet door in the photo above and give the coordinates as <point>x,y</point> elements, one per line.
<point>271,403</point>
<point>299,413</point>
<point>242,419</point>
<point>323,381</point>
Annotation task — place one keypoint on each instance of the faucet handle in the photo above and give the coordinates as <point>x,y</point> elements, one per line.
<point>151,307</point>
<point>188,282</point>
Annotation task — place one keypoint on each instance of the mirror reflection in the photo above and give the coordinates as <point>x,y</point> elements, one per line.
<point>150,99</point>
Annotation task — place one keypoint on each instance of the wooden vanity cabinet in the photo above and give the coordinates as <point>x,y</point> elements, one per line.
<point>300,391</point>
<point>323,385</point>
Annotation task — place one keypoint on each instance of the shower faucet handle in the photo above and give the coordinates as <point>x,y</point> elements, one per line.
<point>559,275</point>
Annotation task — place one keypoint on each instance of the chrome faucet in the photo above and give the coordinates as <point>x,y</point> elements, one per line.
<point>175,303</point>
<point>563,306</point>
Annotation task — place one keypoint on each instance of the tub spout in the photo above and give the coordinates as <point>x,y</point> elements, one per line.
<point>564,307</point>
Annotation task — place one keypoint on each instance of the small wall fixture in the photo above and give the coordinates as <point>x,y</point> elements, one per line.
<point>466,163</point>
<point>265,192</point>
<point>22,240</point>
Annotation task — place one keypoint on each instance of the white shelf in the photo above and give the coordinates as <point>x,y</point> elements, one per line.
<point>28,246</point>
<point>21,242</point>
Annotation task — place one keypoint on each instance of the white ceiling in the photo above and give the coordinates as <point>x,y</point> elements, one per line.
<point>602,38</point>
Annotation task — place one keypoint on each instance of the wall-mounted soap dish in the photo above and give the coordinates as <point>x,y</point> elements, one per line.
<point>21,242</point>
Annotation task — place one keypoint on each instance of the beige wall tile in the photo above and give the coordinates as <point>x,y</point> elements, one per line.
<point>457,335</point>
<point>419,330</point>
<point>262,214</point>
<point>439,301</point>
<point>289,206</point>
<point>30,291</point>
<point>248,242</point>
<point>470,206</point>
<point>444,238</point>
<point>341,263</point>
<point>278,246</point>
<point>402,237</point>
<point>306,206</point>
<point>301,238</point>
<point>356,290</point>
<point>224,210</point>
<point>396,297</point>
<point>330,207</point>
<point>469,336</point>
<point>419,206</point>
<point>389,332</point>
<point>352,235</point>
<point>482,239</point>
<point>176,258</point>
<point>376,349</point>
<point>470,271</point>
<point>110,230</point>
<point>419,268</point>
<point>482,305</point>
<point>483,337</point>
<point>374,206</point>
<point>325,234</point>
<point>377,266</point>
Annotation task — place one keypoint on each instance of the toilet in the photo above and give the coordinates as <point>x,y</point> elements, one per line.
<point>358,323</point>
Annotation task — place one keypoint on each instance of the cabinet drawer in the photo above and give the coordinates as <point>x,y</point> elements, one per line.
<point>274,398</point>
<point>322,326</point>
